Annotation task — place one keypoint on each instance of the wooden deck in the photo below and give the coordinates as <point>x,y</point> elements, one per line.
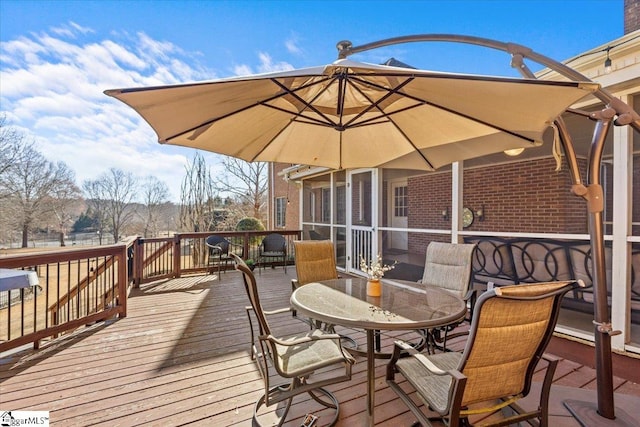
<point>181,357</point>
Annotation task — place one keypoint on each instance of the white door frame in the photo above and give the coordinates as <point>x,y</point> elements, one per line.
<point>397,239</point>
<point>361,236</point>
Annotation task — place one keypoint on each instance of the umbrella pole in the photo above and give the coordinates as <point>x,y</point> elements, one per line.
<point>602,320</point>
<point>593,194</point>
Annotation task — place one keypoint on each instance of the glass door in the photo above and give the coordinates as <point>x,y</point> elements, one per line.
<point>362,241</point>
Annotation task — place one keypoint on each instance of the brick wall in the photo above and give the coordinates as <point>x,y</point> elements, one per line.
<point>283,189</point>
<point>525,197</point>
<point>520,197</point>
<point>631,15</point>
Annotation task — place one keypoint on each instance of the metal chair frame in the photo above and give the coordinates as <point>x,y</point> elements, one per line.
<point>295,358</point>
<point>510,330</point>
<point>274,245</point>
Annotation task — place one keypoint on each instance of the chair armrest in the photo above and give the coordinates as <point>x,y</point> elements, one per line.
<point>429,365</point>
<point>405,346</point>
<point>294,284</point>
<point>550,357</point>
<point>471,297</point>
<point>422,359</point>
<point>215,248</point>
<point>269,312</point>
<point>235,245</point>
<point>398,348</point>
<point>303,340</point>
<point>278,311</point>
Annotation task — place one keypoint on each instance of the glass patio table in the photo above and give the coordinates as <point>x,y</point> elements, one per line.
<point>401,306</point>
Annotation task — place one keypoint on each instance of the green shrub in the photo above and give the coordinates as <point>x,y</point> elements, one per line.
<point>249,224</point>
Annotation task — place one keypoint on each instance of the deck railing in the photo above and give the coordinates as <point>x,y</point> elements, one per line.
<point>81,286</point>
<point>75,287</point>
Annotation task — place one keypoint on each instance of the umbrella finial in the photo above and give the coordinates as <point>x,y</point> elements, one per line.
<point>343,48</point>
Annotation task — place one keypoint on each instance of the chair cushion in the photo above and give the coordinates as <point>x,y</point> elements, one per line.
<point>272,253</point>
<point>432,389</point>
<point>448,266</point>
<point>307,357</point>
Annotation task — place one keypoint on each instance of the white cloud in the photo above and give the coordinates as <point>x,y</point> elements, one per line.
<point>62,31</point>
<point>52,89</point>
<point>71,30</point>
<point>242,70</point>
<point>267,65</point>
<point>292,45</point>
<point>83,30</point>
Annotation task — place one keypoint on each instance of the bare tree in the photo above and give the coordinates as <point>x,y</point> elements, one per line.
<point>66,201</point>
<point>197,204</point>
<point>14,147</point>
<point>98,207</point>
<point>30,184</point>
<point>111,195</point>
<point>247,182</point>
<point>155,194</point>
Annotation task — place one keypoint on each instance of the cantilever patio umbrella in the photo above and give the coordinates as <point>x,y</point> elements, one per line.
<point>350,114</point>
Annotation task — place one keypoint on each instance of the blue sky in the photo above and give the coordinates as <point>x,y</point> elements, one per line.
<point>57,57</point>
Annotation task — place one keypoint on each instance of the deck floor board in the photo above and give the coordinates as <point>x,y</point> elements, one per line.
<point>181,356</point>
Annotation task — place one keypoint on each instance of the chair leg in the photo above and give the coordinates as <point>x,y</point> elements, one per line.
<point>546,390</point>
<point>330,401</point>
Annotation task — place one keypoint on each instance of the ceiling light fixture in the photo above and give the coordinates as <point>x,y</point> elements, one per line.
<point>607,62</point>
<point>514,152</point>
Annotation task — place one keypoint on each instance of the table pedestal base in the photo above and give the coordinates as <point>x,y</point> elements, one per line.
<point>586,413</point>
<point>371,377</point>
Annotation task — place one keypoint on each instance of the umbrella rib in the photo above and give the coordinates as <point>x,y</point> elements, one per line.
<point>329,123</point>
<point>297,116</point>
<point>375,105</point>
<point>263,103</point>
<point>432,104</point>
<point>406,137</point>
<point>308,104</point>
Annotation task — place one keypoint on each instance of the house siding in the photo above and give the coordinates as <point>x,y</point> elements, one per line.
<point>290,190</point>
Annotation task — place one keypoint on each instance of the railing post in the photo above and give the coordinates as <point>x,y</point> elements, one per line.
<point>138,260</point>
<point>245,246</point>
<point>122,281</point>
<point>177,255</point>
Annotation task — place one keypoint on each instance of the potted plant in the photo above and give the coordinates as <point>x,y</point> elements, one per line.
<point>374,273</point>
<point>251,264</point>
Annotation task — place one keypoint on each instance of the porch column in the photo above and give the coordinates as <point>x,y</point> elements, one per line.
<point>457,200</point>
<point>620,263</point>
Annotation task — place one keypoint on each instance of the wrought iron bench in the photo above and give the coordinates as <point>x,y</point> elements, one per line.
<point>526,260</point>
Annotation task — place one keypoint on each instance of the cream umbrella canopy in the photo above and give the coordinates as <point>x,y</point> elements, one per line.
<point>350,114</point>
<point>512,114</point>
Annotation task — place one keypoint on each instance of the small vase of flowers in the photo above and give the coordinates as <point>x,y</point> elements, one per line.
<point>375,271</point>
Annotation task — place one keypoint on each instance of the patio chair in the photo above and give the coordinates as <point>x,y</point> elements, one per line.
<point>273,245</point>
<point>295,358</point>
<point>448,266</point>
<point>218,252</point>
<point>316,260</point>
<point>510,330</point>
